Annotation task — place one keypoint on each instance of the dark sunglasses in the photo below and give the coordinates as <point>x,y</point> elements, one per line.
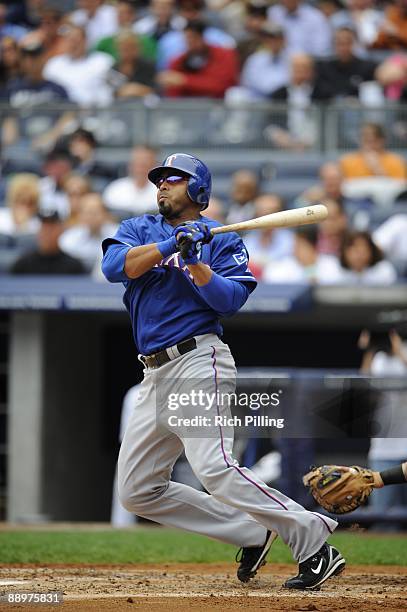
<point>171,180</point>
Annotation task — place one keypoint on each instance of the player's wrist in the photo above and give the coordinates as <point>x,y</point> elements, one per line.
<point>167,247</point>
<point>378,481</point>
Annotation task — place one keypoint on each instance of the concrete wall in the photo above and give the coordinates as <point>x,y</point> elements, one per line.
<point>61,460</point>
<point>25,420</point>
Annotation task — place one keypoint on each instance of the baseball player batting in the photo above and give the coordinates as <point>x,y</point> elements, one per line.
<point>179,280</point>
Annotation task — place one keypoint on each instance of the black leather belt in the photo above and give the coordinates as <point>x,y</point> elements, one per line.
<point>158,359</point>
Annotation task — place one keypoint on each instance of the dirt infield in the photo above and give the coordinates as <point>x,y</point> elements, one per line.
<point>206,587</point>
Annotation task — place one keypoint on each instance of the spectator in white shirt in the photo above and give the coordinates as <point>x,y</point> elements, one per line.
<point>362,262</point>
<point>83,241</point>
<point>268,69</point>
<point>391,238</point>
<point>268,245</point>
<point>134,194</point>
<point>97,18</point>
<point>244,189</point>
<point>84,76</point>
<point>307,30</point>
<point>306,265</point>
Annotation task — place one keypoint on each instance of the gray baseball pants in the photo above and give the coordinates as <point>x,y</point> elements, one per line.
<point>239,507</point>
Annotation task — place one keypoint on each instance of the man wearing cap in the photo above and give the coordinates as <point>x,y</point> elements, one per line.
<point>9,29</point>
<point>47,34</point>
<point>47,257</point>
<point>31,91</point>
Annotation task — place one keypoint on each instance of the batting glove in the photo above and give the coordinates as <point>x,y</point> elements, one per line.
<point>189,237</point>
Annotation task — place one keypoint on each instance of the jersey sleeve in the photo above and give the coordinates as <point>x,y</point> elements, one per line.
<point>115,250</point>
<point>230,259</point>
<point>126,235</point>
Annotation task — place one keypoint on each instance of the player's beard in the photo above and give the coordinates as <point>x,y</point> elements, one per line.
<point>167,211</point>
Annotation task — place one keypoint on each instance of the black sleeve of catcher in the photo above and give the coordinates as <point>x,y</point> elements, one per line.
<point>393,476</point>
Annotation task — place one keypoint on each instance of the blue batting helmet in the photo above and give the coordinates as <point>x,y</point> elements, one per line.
<point>199,183</point>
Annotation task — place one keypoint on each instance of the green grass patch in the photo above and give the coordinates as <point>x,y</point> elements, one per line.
<point>156,545</point>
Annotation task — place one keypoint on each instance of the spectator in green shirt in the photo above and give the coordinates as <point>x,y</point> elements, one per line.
<point>126,16</point>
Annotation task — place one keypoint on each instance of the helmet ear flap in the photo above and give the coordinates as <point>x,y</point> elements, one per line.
<point>192,188</point>
<point>202,198</point>
<point>197,192</point>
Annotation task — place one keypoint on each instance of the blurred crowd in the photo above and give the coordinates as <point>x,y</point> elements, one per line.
<point>91,53</point>
<point>350,247</point>
<point>54,223</point>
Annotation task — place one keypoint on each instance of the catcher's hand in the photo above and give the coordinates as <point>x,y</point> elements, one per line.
<point>190,236</point>
<point>340,489</point>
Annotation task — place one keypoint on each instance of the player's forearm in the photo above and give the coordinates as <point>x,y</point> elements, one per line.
<point>141,259</point>
<point>396,475</point>
<point>201,273</point>
<point>122,262</point>
<point>224,296</point>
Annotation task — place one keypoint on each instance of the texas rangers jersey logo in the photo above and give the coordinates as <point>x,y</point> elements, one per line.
<point>175,261</point>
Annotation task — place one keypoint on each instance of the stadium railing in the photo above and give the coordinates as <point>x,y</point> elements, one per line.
<point>205,123</point>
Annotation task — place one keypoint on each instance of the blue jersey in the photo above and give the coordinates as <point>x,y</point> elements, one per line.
<point>164,304</point>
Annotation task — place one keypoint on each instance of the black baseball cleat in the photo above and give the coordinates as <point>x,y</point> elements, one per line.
<point>253,558</point>
<point>313,572</point>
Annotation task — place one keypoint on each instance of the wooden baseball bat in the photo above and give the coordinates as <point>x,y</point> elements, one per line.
<point>284,218</point>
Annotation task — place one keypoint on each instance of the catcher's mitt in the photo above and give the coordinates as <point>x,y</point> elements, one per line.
<point>340,489</point>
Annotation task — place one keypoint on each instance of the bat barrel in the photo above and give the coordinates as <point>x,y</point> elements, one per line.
<point>285,218</point>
